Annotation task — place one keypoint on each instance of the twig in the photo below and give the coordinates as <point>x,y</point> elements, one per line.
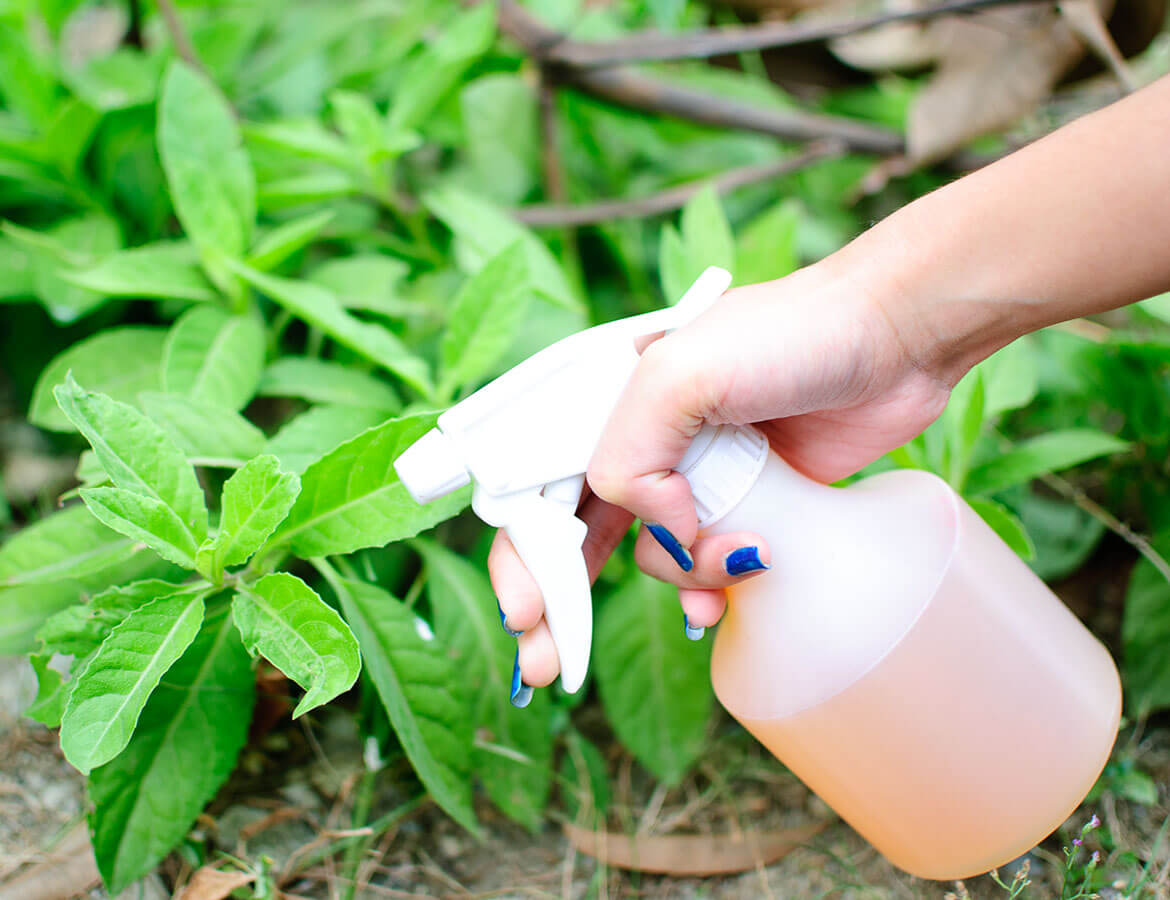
<point>554,179</point>
<point>654,46</point>
<point>179,37</point>
<point>634,90</point>
<point>1071,492</point>
<point>554,215</point>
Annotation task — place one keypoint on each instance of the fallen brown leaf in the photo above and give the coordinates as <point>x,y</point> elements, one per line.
<point>689,854</point>
<point>66,871</point>
<point>212,884</point>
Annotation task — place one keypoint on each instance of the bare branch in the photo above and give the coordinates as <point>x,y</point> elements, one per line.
<point>559,215</point>
<point>649,46</point>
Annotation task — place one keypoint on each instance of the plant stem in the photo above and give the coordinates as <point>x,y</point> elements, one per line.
<point>355,851</point>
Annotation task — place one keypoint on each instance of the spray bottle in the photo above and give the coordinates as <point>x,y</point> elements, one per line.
<point>898,657</point>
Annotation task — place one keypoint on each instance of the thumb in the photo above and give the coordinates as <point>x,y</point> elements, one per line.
<point>662,408</point>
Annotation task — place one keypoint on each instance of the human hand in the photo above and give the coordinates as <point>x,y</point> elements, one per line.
<point>816,361</point>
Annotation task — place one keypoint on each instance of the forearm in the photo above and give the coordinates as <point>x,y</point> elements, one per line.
<point>1076,223</point>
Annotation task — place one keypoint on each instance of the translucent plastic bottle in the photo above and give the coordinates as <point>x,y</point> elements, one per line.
<point>902,661</point>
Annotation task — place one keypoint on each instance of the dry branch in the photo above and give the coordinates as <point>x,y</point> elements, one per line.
<point>561,215</point>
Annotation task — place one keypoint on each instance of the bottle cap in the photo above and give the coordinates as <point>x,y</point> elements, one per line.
<point>721,465</point>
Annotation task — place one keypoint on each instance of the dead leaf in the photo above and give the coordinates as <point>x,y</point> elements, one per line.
<point>66,871</point>
<point>689,854</point>
<point>212,884</point>
<point>1087,21</point>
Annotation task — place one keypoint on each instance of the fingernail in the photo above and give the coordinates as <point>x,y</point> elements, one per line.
<point>694,632</point>
<point>671,545</point>
<point>521,693</point>
<point>504,622</point>
<point>742,560</point>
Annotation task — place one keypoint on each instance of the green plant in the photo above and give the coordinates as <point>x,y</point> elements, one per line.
<point>242,277</point>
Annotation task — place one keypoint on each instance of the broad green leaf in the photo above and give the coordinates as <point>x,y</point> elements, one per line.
<point>1010,376</point>
<point>766,246</point>
<point>499,113</point>
<point>282,618</point>
<point>16,278</point>
<point>138,456</point>
<point>315,432</point>
<point>513,756</point>
<point>419,687</point>
<point>56,252</point>
<point>80,630</point>
<point>584,785</point>
<point>703,239</point>
<point>352,497</point>
<point>119,362</point>
<point>24,609</point>
<point>255,500</point>
<point>359,122</point>
<point>1006,524</point>
<point>68,544</point>
<point>436,69</point>
<point>1047,453</point>
<point>146,520</point>
<point>653,681</point>
<point>283,241</point>
<point>1158,306</point>
<point>214,357</point>
<point>1145,632</point>
<point>184,748</point>
<point>126,77</point>
<point>485,319</point>
<point>321,309</point>
<point>306,139</point>
<point>320,381</point>
<point>203,431</point>
<point>166,271</point>
<point>48,705</point>
<point>298,190</point>
<point>483,230</point>
<point>962,422</point>
<point>367,281</point>
<point>207,167</point>
<point>1064,534</point>
<point>109,695</point>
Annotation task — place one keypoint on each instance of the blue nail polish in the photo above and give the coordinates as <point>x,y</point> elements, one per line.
<point>504,622</point>
<point>521,693</point>
<point>671,545</point>
<point>743,560</point>
<point>694,632</point>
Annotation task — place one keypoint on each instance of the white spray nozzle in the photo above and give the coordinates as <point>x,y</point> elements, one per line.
<point>526,439</point>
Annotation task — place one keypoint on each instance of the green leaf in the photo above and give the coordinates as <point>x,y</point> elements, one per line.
<point>1047,453</point>
<point>126,77</point>
<point>704,239</point>
<point>1145,632</point>
<point>962,422</point>
<point>166,271</point>
<point>203,431</point>
<point>298,190</point>
<point>499,114</point>
<point>119,362</point>
<point>55,253</point>
<point>653,681</point>
<point>485,319</point>
<point>306,438</point>
<point>352,497</point>
<point>484,230</point>
<point>416,682</point>
<point>305,139</point>
<point>282,618</point>
<point>1010,376</point>
<point>1064,534</point>
<point>358,120</point>
<point>366,281</point>
<point>80,629</point>
<point>109,695</point>
<point>68,544</point>
<point>320,381</point>
<point>584,783</point>
<point>322,310</point>
<point>144,519</point>
<point>140,459</point>
<point>24,609</point>
<point>1158,307</point>
<point>283,241</point>
<point>255,500</point>
<point>207,167</point>
<point>434,71</point>
<point>185,747</point>
<point>766,247</point>
<point>1006,524</point>
<point>16,277</point>
<point>214,357</point>
<point>49,704</point>
<point>513,755</point>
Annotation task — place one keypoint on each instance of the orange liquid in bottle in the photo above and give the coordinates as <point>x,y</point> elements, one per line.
<point>906,665</point>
